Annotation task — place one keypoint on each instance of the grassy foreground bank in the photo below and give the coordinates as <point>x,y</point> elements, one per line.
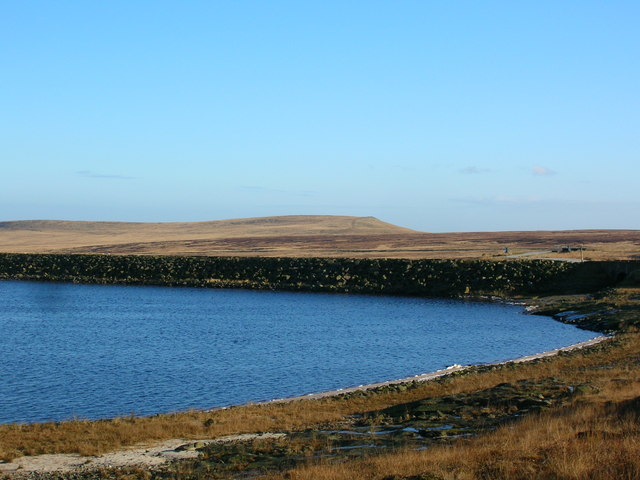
<point>576,415</point>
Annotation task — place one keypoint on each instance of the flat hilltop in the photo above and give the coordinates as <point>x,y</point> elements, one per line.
<point>307,236</point>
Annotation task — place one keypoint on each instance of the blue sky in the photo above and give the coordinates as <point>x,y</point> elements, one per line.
<point>439,116</point>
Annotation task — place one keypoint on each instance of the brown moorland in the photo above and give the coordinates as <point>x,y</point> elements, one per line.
<point>306,236</point>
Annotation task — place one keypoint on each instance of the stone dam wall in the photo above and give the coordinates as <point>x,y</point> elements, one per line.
<point>434,278</point>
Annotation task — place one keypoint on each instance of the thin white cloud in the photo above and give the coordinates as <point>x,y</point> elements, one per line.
<point>90,174</point>
<point>542,171</point>
<point>473,170</point>
<point>405,168</point>
<point>260,189</point>
<point>514,199</point>
<point>501,200</point>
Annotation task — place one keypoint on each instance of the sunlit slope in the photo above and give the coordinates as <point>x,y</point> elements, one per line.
<point>183,237</point>
<point>306,236</point>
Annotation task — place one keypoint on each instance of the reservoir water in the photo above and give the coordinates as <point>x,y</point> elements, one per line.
<point>94,351</point>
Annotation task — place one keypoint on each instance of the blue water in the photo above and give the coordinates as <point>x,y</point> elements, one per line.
<point>94,351</point>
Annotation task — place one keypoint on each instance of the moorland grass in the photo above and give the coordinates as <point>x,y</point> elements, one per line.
<point>596,437</point>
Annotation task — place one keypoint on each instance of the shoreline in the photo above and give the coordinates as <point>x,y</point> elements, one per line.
<point>428,376</point>
<point>340,388</point>
<point>154,454</point>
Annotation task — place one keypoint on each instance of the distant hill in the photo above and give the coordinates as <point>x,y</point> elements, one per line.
<point>302,235</point>
<point>183,237</point>
<point>260,226</point>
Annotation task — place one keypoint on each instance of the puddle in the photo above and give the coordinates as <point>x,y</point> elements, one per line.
<point>391,429</point>
<point>351,447</point>
<point>440,427</point>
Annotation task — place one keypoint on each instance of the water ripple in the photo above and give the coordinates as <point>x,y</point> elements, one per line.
<point>95,351</point>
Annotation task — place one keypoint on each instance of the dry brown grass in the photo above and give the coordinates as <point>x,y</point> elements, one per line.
<point>94,437</point>
<point>302,236</point>
<point>596,437</point>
